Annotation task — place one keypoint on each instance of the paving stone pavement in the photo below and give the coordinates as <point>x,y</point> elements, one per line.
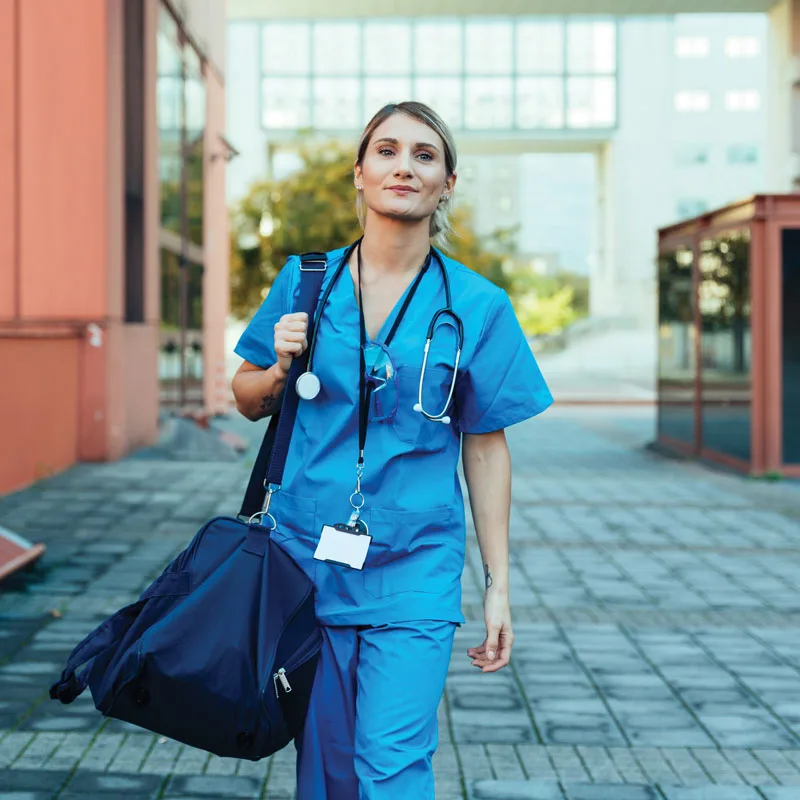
<point>657,617</point>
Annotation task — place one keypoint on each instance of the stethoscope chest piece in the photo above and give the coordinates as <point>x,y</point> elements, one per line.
<point>307,386</point>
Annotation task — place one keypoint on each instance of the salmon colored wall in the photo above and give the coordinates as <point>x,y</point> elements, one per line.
<point>139,381</point>
<point>62,147</point>
<point>37,421</point>
<point>216,284</point>
<point>8,206</point>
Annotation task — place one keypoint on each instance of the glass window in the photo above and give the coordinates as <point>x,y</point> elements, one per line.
<point>591,47</point>
<point>790,257</point>
<point>285,48</point>
<point>488,103</point>
<point>742,46</point>
<point>195,137</point>
<point>337,103</point>
<point>540,48</point>
<point>387,48</point>
<point>540,103</point>
<point>689,207</point>
<point>692,46</point>
<point>724,300</point>
<point>692,100</point>
<point>337,48</point>
<point>443,94</point>
<point>437,48</point>
<point>380,91</point>
<point>689,154</point>
<point>742,100</point>
<point>286,103</point>
<point>676,346</point>
<point>591,102</point>
<point>488,48</point>
<point>742,154</point>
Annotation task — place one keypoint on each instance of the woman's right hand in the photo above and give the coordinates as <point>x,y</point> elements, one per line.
<point>290,338</point>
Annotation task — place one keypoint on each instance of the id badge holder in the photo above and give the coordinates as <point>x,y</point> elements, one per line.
<point>344,544</point>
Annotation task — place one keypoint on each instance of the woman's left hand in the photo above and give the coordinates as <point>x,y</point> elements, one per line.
<point>495,651</point>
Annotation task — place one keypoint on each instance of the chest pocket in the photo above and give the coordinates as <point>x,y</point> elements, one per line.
<point>412,426</point>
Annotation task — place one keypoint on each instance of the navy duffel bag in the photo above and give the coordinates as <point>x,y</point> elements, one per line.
<point>220,651</point>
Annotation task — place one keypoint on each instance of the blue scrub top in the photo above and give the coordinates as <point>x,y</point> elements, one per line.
<point>414,506</point>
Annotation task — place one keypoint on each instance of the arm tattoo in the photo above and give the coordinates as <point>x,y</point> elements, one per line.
<point>487,575</point>
<point>269,403</point>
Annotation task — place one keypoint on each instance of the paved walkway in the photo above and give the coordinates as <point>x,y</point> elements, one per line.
<point>657,614</point>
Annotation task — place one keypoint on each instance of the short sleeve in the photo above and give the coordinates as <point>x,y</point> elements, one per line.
<point>257,343</point>
<point>502,383</point>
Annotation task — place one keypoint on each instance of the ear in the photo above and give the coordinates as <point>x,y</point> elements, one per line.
<point>450,183</point>
<point>357,175</point>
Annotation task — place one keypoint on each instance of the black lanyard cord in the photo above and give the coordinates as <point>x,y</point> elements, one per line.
<point>365,388</point>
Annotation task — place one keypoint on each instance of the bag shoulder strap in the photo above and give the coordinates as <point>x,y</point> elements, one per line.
<point>271,460</point>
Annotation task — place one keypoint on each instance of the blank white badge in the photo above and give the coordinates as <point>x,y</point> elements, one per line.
<point>342,547</point>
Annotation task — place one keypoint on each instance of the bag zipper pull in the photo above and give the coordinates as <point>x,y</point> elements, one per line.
<point>280,675</point>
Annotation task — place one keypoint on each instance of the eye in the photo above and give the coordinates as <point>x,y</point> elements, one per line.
<point>385,150</point>
<point>426,154</point>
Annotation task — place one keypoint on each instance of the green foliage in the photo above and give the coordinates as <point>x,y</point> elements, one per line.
<point>314,209</point>
<point>548,303</point>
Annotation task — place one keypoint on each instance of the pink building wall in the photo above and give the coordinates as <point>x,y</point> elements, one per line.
<point>79,383</point>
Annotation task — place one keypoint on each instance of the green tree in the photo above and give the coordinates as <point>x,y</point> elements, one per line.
<point>314,209</point>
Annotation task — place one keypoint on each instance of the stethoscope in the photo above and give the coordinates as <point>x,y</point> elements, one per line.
<point>308,384</point>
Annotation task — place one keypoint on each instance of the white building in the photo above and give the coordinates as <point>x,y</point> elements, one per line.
<point>588,132</point>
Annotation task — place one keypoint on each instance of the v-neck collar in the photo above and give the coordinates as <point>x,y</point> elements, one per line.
<point>389,321</point>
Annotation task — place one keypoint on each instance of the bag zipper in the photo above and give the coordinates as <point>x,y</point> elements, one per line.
<point>302,655</point>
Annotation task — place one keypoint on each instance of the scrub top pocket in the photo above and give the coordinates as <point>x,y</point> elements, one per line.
<point>412,551</point>
<point>412,426</point>
<point>296,532</point>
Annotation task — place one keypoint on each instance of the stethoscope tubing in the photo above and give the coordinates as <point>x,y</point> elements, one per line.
<point>446,311</point>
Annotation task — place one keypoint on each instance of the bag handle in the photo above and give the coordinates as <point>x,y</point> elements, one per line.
<point>271,459</point>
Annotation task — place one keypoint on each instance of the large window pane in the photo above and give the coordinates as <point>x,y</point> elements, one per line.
<point>285,48</point>
<point>387,48</point>
<point>489,48</point>
<point>540,48</point>
<point>540,103</point>
<point>437,48</point>
<point>724,298</point>
<point>489,103</point>
<point>444,96</point>
<point>380,91</point>
<point>791,345</point>
<point>169,104</point>
<point>195,137</point>
<point>676,347</point>
<point>337,103</point>
<point>285,103</point>
<point>337,48</point>
<point>591,102</point>
<point>591,47</point>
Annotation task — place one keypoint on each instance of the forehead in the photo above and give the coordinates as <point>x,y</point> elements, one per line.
<point>407,130</point>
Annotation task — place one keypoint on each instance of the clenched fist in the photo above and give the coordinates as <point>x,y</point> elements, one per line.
<point>290,338</point>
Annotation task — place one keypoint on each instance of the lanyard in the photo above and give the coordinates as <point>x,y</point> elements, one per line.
<point>365,387</point>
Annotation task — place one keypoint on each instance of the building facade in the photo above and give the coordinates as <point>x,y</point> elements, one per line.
<point>114,234</point>
<point>586,132</point>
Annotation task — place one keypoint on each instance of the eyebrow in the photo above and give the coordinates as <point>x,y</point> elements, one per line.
<point>391,140</point>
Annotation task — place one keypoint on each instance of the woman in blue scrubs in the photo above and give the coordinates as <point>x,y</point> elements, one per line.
<point>388,627</point>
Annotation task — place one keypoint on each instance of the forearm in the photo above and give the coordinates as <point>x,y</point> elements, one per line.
<point>259,392</point>
<point>487,469</point>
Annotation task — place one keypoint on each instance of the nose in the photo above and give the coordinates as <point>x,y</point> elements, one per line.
<point>403,165</point>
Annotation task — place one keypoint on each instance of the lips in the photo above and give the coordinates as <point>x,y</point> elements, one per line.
<point>400,189</point>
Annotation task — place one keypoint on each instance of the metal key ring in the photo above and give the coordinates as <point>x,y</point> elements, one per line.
<point>357,494</point>
<point>263,514</point>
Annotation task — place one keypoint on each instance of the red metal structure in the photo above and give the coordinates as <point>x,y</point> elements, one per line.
<point>729,335</point>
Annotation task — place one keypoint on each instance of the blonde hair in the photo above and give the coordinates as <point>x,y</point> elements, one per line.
<point>441,224</point>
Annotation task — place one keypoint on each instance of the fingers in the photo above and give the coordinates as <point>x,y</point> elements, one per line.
<point>291,335</point>
<point>501,641</point>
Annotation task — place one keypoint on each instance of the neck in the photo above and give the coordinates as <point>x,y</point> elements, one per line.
<point>395,246</point>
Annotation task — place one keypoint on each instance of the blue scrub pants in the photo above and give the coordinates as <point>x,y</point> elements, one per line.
<point>371,729</point>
